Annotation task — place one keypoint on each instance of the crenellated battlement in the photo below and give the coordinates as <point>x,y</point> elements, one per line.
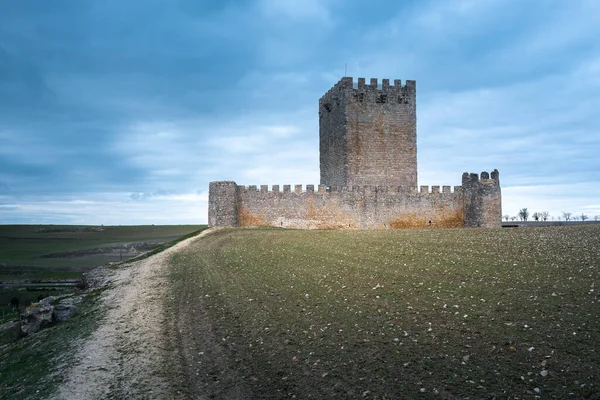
<point>469,179</point>
<point>300,189</point>
<point>348,84</point>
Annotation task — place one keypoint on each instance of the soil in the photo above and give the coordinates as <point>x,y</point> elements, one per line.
<point>134,353</point>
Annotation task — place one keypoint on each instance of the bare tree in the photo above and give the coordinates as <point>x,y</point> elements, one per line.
<point>536,216</point>
<point>576,218</point>
<point>596,217</point>
<point>523,214</point>
<point>584,217</point>
<point>506,217</point>
<point>544,215</point>
<point>567,216</point>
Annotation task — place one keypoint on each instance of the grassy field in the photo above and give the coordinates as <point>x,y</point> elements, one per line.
<point>456,313</point>
<point>43,245</point>
<point>33,253</point>
<point>34,366</point>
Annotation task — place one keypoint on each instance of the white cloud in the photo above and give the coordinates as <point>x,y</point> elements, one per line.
<point>251,139</point>
<point>31,148</point>
<point>559,28</point>
<point>556,199</point>
<point>458,15</point>
<point>312,10</point>
<point>521,129</point>
<point>250,149</point>
<point>107,209</point>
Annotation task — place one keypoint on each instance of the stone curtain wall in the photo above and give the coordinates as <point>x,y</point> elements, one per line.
<point>348,208</point>
<point>368,134</point>
<point>475,204</point>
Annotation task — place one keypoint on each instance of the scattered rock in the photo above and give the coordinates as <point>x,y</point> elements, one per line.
<point>37,316</point>
<point>40,315</point>
<point>64,310</point>
<point>71,300</point>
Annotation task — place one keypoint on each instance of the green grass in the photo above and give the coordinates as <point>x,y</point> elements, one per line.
<point>22,248</point>
<point>32,367</point>
<point>24,245</point>
<point>165,246</point>
<point>26,296</point>
<point>456,313</point>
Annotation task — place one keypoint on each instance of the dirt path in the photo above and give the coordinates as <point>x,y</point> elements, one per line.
<point>129,356</point>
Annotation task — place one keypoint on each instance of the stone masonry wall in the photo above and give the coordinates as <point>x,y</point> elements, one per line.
<point>368,134</point>
<point>349,208</point>
<point>223,204</point>
<point>475,204</point>
<point>333,154</point>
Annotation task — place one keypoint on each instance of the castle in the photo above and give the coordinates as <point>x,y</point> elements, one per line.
<point>368,162</point>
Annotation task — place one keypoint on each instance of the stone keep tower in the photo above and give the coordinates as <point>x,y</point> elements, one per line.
<point>368,160</point>
<point>368,134</point>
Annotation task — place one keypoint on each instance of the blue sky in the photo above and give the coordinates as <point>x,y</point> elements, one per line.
<point>122,112</point>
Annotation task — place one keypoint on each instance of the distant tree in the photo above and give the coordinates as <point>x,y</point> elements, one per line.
<point>596,217</point>
<point>523,214</point>
<point>584,217</point>
<point>513,218</point>
<point>575,218</point>
<point>536,216</point>
<point>506,217</point>
<point>544,215</point>
<point>567,216</point>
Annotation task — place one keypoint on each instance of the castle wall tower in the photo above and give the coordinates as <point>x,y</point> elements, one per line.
<point>368,134</point>
<point>482,200</point>
<point>222,204</point>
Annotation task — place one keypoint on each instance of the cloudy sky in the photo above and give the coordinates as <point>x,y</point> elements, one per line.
<point>122,112</point>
